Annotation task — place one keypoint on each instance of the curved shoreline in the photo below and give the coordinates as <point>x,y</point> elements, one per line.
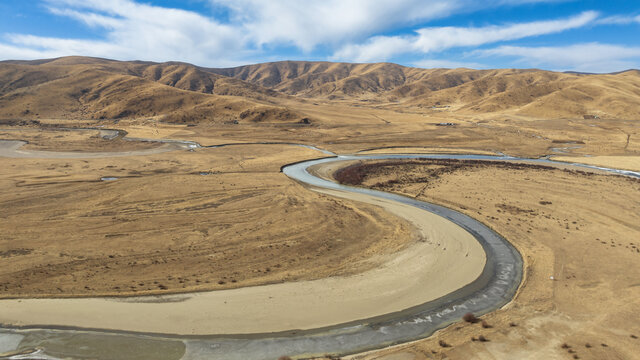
<point>12,148</point>
<point>445,252</point>
<point>492,289</point>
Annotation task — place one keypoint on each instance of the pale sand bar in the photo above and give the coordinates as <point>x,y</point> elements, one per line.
<point>445,258</point>
<point>11,149</point>
<point>631,163</point>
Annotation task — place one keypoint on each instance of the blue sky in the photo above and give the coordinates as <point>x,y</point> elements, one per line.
<point>590,36</point>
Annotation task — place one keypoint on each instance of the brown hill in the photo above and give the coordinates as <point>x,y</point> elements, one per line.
<point>321,78</point>
<point>80,87</point>
<point>77,87</point>
<point>538,93</point>
<point>526,92</point>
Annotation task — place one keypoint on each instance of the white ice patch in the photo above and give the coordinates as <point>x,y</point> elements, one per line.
<point>9,342</point>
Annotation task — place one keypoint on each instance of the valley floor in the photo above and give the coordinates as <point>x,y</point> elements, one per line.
<point>221,218</point>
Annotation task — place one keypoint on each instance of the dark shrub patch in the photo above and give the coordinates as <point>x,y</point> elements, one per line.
<point>470,318</point>
<point>443,343</point>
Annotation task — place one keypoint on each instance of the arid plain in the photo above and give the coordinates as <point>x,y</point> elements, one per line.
<point>180,220</point>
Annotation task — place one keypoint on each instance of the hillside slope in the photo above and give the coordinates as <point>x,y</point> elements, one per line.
<point>80,87</point>
<point>77,87</point>
<point>525,92</point>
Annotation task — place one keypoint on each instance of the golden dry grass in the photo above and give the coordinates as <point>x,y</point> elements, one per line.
<point>163,227</point>
<point>578,234</point>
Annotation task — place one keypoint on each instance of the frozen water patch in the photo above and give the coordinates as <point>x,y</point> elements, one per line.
<point>9,342</point>
<point>36,354</point>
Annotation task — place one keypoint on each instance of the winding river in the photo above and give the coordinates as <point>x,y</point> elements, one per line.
<point>498,275</point>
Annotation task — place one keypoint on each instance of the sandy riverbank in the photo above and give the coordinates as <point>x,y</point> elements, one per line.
<point>617,162</point>
<point>444,258</point>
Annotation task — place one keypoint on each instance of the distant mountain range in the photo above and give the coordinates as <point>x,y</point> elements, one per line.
<point>91,88</point>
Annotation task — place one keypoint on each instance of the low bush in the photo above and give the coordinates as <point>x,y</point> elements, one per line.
<point>470,318</point>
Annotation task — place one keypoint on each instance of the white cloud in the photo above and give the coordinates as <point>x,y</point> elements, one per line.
<point>590,57</point>
<point>137,31</point>
<point>68,46</point>
<point>91,19</point>
<point>22,52</point>
<point>447,64</point>
<point>433,39</point>
<point>307,24</point>
<point>619,20</point>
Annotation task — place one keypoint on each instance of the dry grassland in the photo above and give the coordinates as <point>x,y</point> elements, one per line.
<point>165,227</point>
<point>578,233</point>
